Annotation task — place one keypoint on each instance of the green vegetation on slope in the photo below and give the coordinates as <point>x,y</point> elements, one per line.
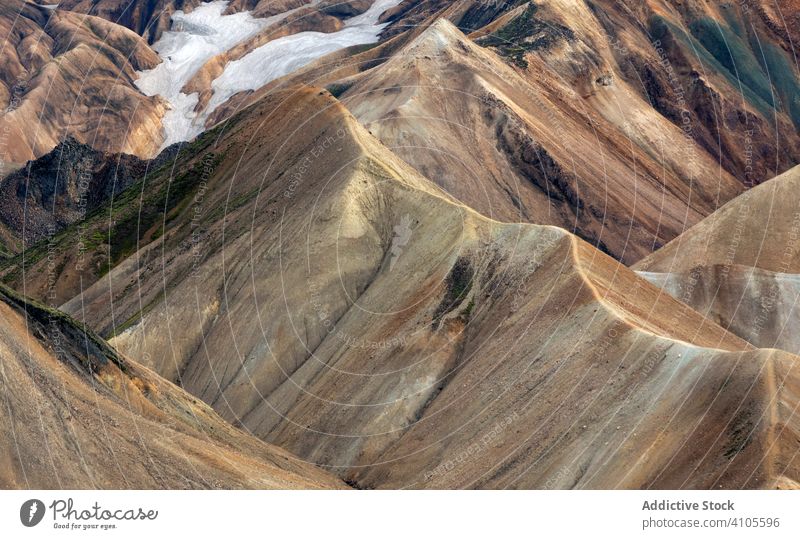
<point>660,28</point>
<point>734,54</point>
<point>112,233</point>
<point>525,33</point>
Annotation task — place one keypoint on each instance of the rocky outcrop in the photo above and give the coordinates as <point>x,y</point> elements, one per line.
<point>67,185</point>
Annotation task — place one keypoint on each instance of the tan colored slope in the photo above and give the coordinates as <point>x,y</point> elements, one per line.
<point>760,229</point>
<point>723,73</point>
<point>77,415</point>
<point>336,303</point>
<point>65,74</point>
<point>740,265</point>
<point>148,18</point>
<point>760,306</point>
<point>151,18</point>
<point>532,149</point>
<point>607,90</point>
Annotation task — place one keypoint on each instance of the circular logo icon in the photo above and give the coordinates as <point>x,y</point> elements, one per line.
<point>31,513</point>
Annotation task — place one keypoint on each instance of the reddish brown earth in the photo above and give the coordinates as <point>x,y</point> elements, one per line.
<point>531,150</point>
<point>148,18</point>
<point>368,275</point>
<point>726,73</point>
<point>313,326</point>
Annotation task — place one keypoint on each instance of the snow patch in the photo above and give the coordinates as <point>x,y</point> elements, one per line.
<point>196,37</point>
<point>287,54</point>
<point>193,39</point>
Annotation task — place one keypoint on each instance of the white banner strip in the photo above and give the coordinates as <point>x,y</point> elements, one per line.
<point>406,514</point>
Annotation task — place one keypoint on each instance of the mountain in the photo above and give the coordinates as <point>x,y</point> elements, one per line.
<point>149,19</point>
<point>389,249</point>
<point>65,74</point>
<point>712,85</point>
<point>79,415</point>
<point>505,145</point>
<point>725,73</point>
<point>326,297</point>
<point>740,266</point>
<point>662,117</point>
<point>211,51</point>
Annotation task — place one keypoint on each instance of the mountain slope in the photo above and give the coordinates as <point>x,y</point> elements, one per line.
<point>67,74</point>
<point>147,18</point>
<point>78,415</point>
<point>726,74</point>
<point>326,297</point>
<point>741,264</point>
<point>650,85</point>
<point>757,229</point>
<point>151,18</point>
<point>530,150</point>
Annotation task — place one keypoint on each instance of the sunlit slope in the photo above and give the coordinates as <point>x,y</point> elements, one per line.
<point>78,415</point>
<point>741,264</point>
<point>63,74</point>
<point>524,148</point>
<point>326,297</point>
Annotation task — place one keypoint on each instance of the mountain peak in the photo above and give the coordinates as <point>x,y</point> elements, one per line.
<point>438,36</point>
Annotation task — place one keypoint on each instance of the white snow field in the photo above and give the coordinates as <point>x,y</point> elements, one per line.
<point>196,37</point>
<point>193,39</point>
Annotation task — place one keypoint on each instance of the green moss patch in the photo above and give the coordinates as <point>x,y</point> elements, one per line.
<point>526,33</point>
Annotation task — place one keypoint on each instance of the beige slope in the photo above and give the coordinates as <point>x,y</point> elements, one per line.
<point>346,309</point>
<point>760,229</point>
<point>148,18</point>
<point>760,306</point>
<point>68,74</point>
<point>77,415</point>
<point>151,18</point>
<point>532,148</point>
<point>722,72</point>
<point>740,265</point>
